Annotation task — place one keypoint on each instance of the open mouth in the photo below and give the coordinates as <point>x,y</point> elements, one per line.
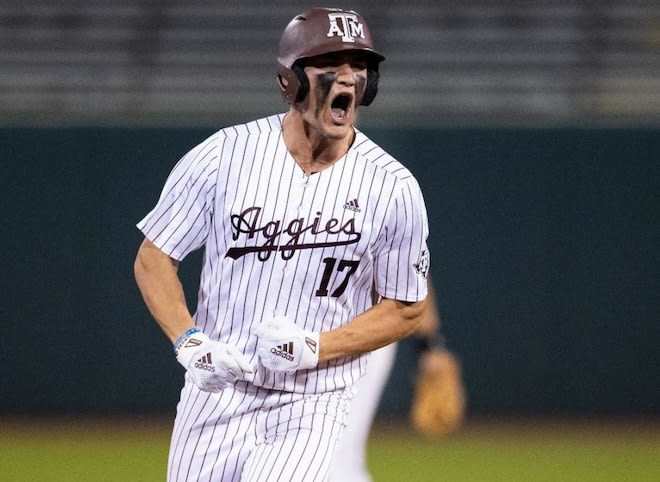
<point>340,105</point>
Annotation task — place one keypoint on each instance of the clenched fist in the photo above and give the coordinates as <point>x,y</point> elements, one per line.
<point>211,364</point>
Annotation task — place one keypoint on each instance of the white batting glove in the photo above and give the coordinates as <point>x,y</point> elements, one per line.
<point>211,364</point>
<point>285,347</point>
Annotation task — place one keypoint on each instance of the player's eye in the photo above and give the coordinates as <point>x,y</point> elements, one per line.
<point>358,64</point>
<point>333,62</point>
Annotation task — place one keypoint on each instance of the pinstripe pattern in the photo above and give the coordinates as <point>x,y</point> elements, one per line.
<point>278,242</point>
<point>250,434</point>
<point>247,169</point>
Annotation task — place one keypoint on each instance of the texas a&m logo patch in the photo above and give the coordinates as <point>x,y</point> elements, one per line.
<point>423,264</point>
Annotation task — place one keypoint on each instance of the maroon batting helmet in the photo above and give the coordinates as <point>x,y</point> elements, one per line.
<point>321,31</point>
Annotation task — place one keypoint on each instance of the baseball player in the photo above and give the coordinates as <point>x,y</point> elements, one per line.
<point>350,462</point>
<point>315,254</point>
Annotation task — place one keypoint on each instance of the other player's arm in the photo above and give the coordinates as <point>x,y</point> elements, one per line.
<point>439,395</point>
<point>430,323</point>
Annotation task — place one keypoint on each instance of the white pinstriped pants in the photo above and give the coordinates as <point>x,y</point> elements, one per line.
<point>350,462</point>
<point>250,434</point>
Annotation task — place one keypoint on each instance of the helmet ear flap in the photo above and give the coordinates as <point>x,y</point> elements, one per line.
<point>293,82</point>
<point>303,82</point>
<point>372,87</point>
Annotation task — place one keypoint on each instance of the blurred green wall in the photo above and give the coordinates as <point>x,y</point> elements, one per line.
<point>544,252</point>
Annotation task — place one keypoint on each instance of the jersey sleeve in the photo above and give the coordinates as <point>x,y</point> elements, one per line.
<point>402,259</point>
<point>180,222</point>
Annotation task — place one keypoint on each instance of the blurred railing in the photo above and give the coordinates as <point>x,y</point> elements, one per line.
<point>201,62</point>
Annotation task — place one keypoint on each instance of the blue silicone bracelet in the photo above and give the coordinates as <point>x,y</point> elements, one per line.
<point>179,341</point>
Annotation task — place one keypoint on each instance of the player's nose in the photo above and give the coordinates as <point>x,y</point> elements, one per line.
<point>346,75</point>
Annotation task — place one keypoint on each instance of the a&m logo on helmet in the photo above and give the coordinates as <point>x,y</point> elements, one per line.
<point>346,26</point>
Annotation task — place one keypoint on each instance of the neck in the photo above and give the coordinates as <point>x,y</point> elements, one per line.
<point>311,150</point>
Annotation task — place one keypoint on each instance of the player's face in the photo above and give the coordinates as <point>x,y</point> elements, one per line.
<point>336,85</point>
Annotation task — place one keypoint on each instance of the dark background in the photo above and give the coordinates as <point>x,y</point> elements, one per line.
<point>544,248</point>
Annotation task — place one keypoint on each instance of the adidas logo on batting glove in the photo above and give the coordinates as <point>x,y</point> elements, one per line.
<point>285,347</point>
<point>212,365</point>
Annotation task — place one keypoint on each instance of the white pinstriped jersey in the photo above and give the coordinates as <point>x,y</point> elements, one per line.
<point>318,249</point>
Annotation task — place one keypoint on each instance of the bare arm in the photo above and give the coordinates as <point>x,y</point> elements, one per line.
<point>430,323</point>
<point>433,353</point>
<point>382,324</point>
<point>157,278</point>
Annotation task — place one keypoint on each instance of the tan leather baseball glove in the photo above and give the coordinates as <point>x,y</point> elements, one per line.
<point>439,398</point>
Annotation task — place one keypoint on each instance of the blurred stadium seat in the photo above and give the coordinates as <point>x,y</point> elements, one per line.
<point>201,62</point>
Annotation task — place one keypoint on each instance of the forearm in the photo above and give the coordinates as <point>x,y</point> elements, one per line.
<point>384,323</point>
<point>430,324</point>
<point>156,276</point>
